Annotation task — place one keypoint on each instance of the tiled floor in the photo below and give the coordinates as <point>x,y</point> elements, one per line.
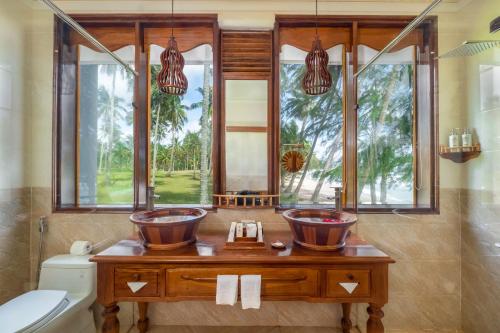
<point>239,329</point>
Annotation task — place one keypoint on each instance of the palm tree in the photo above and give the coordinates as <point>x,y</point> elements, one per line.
<point>111,111</point>
<point>176,117</point>
<point>205,133</point>
<point>385,129</point>
<point>192,146</point>
<point>159,102</point>
<point>320,116</point>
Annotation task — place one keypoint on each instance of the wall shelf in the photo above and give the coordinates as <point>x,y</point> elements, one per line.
<point>460,154</point>
<point>245,200</point>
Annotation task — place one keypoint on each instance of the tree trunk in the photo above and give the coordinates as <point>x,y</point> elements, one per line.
<point>111,131</point>
<point>172,151</point>
<point>306,166</point>
<point>326,168</point>
<point>205,137</point>
<point>373,194</point>
<point>194,164</point>
<point>383,189</point>
<point>101,156</point>
<point>155,146</point>
<point>372,156</point>
<point>288,189</point>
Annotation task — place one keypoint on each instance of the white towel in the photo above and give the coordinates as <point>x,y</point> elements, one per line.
<point>251,230</point>
<point>250,291</point>
<point>227,289</point>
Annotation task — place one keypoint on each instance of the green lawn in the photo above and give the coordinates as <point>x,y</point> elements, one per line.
<point>180,188</point>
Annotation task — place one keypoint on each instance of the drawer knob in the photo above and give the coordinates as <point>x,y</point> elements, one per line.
<point>136,286</point>
<point>350,276</point>
<point>349,286</point>
<point>136,276</point>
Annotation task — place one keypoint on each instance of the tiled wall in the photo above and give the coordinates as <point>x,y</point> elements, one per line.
<point>481,200</point>
<point>14,242</point>
<point>424,283</point>
<point>14,122</point>
<point>480,263</point>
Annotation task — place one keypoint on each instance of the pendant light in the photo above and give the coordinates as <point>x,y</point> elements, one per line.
<point>171,80</point>
<point>317,79</point>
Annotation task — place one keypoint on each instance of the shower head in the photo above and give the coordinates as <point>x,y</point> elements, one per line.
<point>470,48</point>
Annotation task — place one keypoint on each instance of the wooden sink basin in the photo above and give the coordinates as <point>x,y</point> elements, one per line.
<point>170,228</point>
<point>319,229</point>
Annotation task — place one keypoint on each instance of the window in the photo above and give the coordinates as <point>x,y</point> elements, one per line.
<point>181,132</point>
<point>385,129</point>
<point>115,133</point>
<point>311,125</point>
<point>105,135</point>
<point>374,134</point>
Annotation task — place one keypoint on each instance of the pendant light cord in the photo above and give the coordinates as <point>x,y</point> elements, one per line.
<point>316,18</point>
<point>172,20</point>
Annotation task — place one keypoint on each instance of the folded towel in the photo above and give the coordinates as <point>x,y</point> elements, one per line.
<point>251,229</point>
<point>227,289</point>
<point>250,291</point>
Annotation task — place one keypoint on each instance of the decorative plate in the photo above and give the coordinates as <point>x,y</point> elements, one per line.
<point>292,161</point>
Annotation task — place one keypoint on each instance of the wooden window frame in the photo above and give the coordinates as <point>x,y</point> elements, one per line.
<point>139,23</point>
<point>354,24</point>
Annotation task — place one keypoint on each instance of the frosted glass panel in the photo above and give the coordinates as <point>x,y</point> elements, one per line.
<point>246,161</point>
<point>246,103</point>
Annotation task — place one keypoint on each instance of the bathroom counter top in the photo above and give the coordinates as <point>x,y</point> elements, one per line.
<point>128,272</point>
<point>210,249</point>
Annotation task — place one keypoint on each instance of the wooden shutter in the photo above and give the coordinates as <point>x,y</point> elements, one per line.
<point>247,52</point>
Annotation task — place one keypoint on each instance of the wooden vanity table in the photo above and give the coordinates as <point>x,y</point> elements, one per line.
<point>291,274</point>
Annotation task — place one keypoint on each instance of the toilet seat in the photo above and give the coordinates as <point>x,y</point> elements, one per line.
<point>32,310</point>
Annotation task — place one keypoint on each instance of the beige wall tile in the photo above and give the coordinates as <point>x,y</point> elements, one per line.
<point>420,314</point>
<point>429,277</point>
<point>414,240</point>
<point>202,313</point>
<point>309,314</point>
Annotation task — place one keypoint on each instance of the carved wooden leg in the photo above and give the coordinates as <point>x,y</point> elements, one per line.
<point>111,323</point>
<point>143,322</point>
<point>374,324</point>
<point>346,318</point>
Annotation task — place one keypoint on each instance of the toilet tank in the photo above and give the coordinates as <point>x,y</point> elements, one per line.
<point>75,274</point>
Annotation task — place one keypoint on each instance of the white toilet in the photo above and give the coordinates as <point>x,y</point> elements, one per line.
<point>66,291</point>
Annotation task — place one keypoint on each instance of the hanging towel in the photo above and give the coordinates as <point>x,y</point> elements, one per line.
<point>250,291</point>
<point>227,289</point>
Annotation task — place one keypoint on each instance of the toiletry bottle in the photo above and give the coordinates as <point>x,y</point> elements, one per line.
<point>453,138</point>
<point>467,138</point>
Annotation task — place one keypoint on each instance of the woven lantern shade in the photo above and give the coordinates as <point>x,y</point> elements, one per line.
<point>317,79</point>
<point>171,80</point>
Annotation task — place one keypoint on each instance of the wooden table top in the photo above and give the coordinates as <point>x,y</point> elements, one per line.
<point>210,249</point>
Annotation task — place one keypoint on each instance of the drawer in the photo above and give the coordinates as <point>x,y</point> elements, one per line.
<point>140,275</point>
<point>334,279</point>
<point>275,282</point>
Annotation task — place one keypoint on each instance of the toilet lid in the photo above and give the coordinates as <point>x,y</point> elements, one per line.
<point>32,310</point>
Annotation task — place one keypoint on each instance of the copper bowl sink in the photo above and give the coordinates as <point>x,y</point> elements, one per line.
<point>170,228</point>
<point>319,229</point>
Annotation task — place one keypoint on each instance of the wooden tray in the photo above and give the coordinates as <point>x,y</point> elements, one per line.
<point>235,242</point>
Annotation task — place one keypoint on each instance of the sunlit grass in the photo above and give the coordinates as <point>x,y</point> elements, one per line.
<point>182,187</point>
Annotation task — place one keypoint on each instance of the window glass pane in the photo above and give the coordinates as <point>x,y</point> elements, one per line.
<point>385,129</point>
<point>246,110</point>
<point>181,132</point>
<point>246,103</point>
<point>246,171</point>
<point>316,123</point>
<point>106,145</point>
